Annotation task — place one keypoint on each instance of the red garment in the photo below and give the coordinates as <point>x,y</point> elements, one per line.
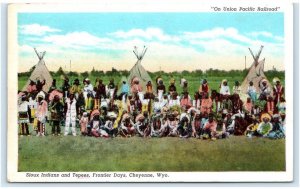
<point>278,92</point>
<point>206,105</point>
<point>197,124</point>
<point>248,106</point>
<point>270,106</point>
<point>211,126</point>
<point>205,88</point>
<point>149,89</point>
<point>186,102</point>
<point>136,88</point>
<point>31,88</point>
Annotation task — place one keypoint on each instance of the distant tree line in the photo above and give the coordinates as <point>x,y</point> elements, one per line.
<point>196,73</point>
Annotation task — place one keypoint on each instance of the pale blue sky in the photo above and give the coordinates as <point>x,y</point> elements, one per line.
<point>101,38</point>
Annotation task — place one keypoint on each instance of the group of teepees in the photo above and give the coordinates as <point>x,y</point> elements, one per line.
<point>138,72</point>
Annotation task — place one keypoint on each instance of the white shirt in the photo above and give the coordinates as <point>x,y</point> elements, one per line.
<point>225,90</point>
<point>251,89</point>
<point>32,103</point>
<point>237,89</point>
<point>196,103</point>
<point>174,102</point>
<point>23,107</point>
<point>88,88</point>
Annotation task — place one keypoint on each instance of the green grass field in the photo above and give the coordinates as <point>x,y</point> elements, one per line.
<point>60,153</point>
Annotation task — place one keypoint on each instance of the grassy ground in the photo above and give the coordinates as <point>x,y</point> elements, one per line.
<point>59,153</point>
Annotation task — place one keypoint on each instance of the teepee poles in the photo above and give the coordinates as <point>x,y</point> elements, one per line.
<point>39,55</point>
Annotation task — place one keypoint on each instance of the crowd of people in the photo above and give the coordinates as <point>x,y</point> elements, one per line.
<point>106,110</point>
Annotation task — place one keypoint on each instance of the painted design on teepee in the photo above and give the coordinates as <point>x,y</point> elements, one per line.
<point>138,71</point>
<point>40,72</point>
<point>256,72</point>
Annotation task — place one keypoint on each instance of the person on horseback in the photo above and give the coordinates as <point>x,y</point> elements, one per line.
<point>224,88</point>
<point>161,89</point>
<point>204,87</point>
<point>237,88</point>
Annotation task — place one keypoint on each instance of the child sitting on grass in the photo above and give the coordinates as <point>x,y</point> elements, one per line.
<point>210,128</point>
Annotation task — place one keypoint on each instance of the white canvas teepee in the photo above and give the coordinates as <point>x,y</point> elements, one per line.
<point>139,71</point>
<point>256,73</point>
<point>40,72</point>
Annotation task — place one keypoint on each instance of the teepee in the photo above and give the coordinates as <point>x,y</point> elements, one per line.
<point>139,71</point>
<point>256,73</point>
<point>40,72</point>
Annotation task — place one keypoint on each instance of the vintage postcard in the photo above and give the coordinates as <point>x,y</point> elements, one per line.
<point>150,92</point>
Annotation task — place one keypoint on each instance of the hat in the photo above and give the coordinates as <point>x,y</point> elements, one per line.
<point>125,116</point>
<point>77,81</point>
<point>275,80</point>
<point>183,115</point>
<point>225,111</point>
<point>224,80</point>
<point>41,94</point>
<point>84,114</point>
<point>276,116</point>
<point>139,117</point>
<point>159,80</point>
<point>175,113</point>
<point>264,81</point>
<point>95,112</point>
<point>265,115</point>
<point>111,115</point>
